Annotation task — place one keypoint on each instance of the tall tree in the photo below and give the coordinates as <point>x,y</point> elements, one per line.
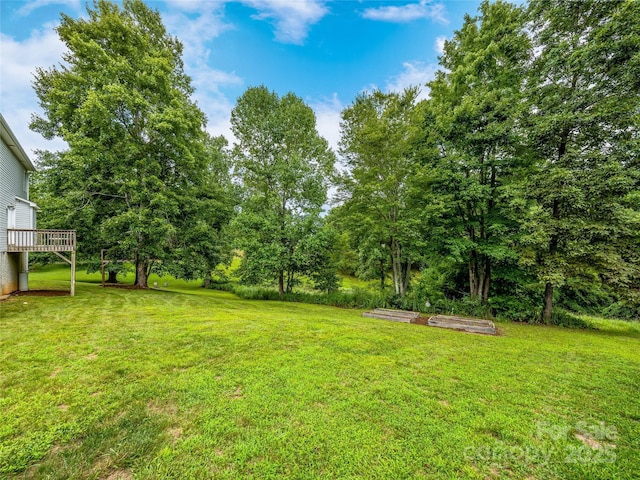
<point>378,131</point>
<point>584,107</point>
<point>204,239</point>
<point>475,104</point>
<point>283,166</point>
<point>121,100</point>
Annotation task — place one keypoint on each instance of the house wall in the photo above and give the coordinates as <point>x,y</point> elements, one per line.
<point>12,176</point>
<point>25,215</point>
<point>9,269</point>
<point>13,184</point>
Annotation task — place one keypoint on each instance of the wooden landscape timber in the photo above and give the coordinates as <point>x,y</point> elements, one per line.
<point>393,315</point>
<point>471,325</point>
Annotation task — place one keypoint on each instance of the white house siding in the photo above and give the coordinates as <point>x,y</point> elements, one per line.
<point>25,214</point>
<point>12,185</point>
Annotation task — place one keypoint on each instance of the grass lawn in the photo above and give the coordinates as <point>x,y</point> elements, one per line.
<point>188,383</point>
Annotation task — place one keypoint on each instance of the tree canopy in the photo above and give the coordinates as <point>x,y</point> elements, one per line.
<point>476,103</point>
<point>378,131</point>
<point>583,102</point>
<point>513,187</point>
<point>138,159</point>
<point>283,166</point>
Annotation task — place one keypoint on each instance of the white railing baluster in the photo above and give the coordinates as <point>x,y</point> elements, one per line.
<point>23,240</point>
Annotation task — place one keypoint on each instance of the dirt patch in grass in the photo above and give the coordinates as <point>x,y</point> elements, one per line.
<point>43,293</point>
<point>166,409</point>
<point>119,475</point>
<point>103,463</point>
<point>236,394</point>
<point>589,441</point>
<point>175,433</point>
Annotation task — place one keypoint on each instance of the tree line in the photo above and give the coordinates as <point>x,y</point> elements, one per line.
<point>515,184</point>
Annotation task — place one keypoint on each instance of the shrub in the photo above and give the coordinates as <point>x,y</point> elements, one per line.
<point>222,286</point>
<point>563,318</point>
<point>622,310</point>
<point>516,308</point>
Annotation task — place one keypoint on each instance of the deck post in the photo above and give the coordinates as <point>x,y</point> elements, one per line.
<point>73,273</point>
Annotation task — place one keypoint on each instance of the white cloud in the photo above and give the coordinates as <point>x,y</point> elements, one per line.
<point>17,98</point>
<point>27,8</point>
<point>439,45</point>
<point>415,74</point>
<point>328,115</point>
<point>191,5</point>
<point>43,49</point>
<point>408,12</point>
<point>291,18</point>
<point>328,111</point>
<point>196,32</point>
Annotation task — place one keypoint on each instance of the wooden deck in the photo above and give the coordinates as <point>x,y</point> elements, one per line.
<point>22,240</point>
<point>54,241</point>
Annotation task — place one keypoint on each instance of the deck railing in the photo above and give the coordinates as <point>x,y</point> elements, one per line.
<point>23,240</point>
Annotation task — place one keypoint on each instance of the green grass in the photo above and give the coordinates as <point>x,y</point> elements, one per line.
<point>194,383</point>
<point>355,282</point>
<point>347,282</point>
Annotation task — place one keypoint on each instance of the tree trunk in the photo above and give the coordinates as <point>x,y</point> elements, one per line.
<point>479,277</point>
<point>553,247</point>
<point>473,275</point>
<point>290,281</point>
<point>548,303</point>
<point>281,283</point>
<point>406,278</point>
<point>142,273</point>
<point>112,277</point>
<point>487,281</point>
<point>396,263</point>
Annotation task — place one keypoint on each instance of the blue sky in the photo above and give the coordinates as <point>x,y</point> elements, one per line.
<point>324,51</point>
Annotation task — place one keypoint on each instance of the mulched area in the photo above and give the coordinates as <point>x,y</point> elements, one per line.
<point>420,320</point>
<point>43,293</point>
<point>126,287</point>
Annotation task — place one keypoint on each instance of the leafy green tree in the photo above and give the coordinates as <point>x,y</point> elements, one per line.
<point>54,187</point>
<point>474,108</point>
<point>320,258</point>
<point>584,106</point>
<point>137,154</point>
<point>283,166</point>
<point>204,242</point>
<point>378,131</point>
